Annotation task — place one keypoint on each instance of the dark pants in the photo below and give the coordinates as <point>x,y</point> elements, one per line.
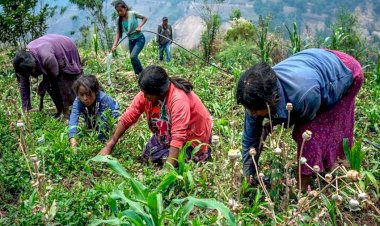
<point>135,47</point>
<point>164,48</point>
<point>60,91</point>
<point>157,152</point>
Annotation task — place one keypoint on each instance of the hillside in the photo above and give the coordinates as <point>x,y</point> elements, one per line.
<point>311,17</point>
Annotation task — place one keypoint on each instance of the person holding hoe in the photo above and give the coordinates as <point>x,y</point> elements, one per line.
<point>128,22</point>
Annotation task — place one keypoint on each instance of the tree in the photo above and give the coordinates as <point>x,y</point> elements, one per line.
<point>97,10</point>
<point>21,22</point>
<point>209,35</point>
<point>212,20</point>
<point>345,35</point>
<point>235,14</point>
<point>241,29</point>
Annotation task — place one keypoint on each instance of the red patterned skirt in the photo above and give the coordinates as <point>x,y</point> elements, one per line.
<point>331,127</point>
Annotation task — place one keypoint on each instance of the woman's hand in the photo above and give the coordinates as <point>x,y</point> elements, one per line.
<point>107,150</point>
<point>73,142</point>
<point>173,156</point>
<point>119,131</point>
<point>113,48</point>
<point>265,132</point>
<point>138,29</point>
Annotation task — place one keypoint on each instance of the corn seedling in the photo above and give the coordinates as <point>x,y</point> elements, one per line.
<point>295,38</point>
<point>146,206</point>
<point>265,44</point>
<point>95,41</point>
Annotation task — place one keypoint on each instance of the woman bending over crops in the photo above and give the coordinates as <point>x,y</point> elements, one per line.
<point>321,85</point>
<point>175,115</point>
<point>92,103</point>
<point>55,57</point>
<point>129,23</point>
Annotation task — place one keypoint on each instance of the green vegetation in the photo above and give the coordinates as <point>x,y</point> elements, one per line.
<point>44,181</point>
<point>97,11</point>
<point>20,23</point>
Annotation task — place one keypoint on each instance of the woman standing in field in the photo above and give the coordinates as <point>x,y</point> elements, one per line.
<point>175,115</point>
<point>128,22</point>
<point>321,85</point>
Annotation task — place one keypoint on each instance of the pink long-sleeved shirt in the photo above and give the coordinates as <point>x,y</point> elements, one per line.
<point>189,118</point>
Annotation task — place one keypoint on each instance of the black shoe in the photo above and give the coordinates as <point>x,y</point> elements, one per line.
<point>255,182</point>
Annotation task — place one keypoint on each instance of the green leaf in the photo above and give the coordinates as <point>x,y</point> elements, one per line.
<point>113,163</point>
<point>113,205</point>
<point>210,204</point>
<point>185,211</point>
<point>182,158</point>
<point>354,155</point>
<point>113,221</point>
<point>331,208</point>
<point>140,190</point>
<point>190,179</point>
<point>198,147</point>
<point>118,195</point>
<point>139,209</point>
<point>134,218</point>
<point>167,181</point>
<point>155,207</point>
<point>346,149</point>
<point>371,178</point>
<point>32,198</point>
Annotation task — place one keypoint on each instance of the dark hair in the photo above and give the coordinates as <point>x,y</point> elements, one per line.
<point>89,82</point>
<point>257,87</point>
<point>154,80</point>
<point>23,63</point>
<point>120,20</point>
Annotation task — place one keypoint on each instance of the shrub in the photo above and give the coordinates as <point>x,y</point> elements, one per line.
<point>237,53</point>
<point>241,29</point>
<point>20,23</point>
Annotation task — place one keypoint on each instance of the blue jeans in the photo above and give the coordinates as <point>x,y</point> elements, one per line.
<point>135,47</point>
<point>166,48</point>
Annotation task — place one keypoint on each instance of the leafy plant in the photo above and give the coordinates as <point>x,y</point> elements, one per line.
<point>354,155</point>
<point>295,38</point>
<point>209,35</point>
<point>336,40</point>
<point>146,206</point>
<point>97,9</point>
<point>95,41</point>
<point>241,30</point>
<point>377,71</point>
<point>331,209</point>
<point>345,35</point>
<point>235,14</point>
<point>21,21</point>
<point>264,43</point>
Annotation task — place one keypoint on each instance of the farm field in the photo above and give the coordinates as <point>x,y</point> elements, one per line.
<point>43,181</point>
